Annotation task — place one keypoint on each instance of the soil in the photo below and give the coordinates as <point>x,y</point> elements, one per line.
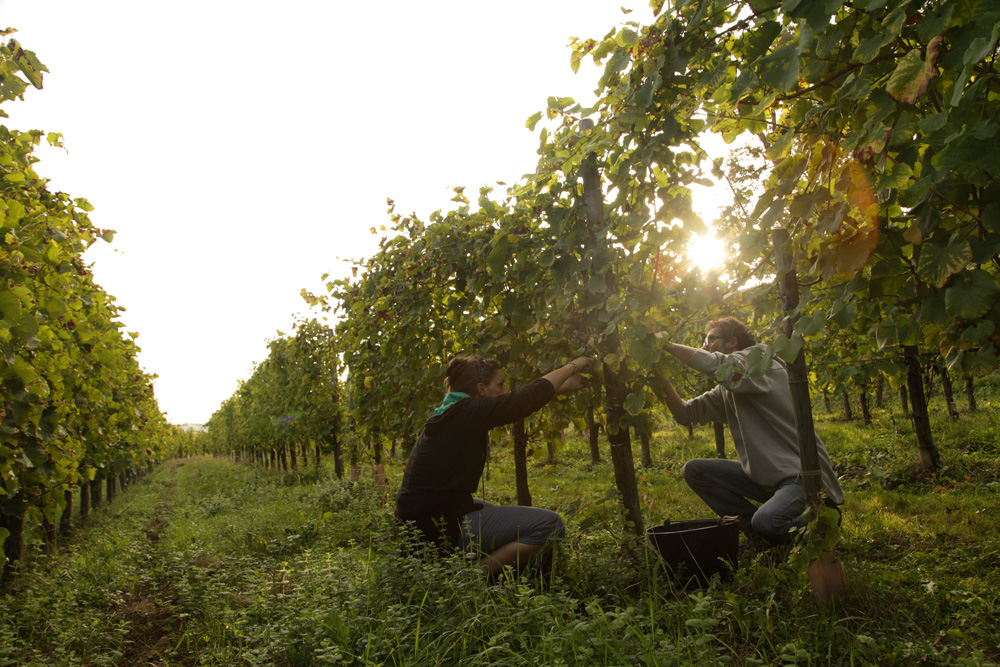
<point>155,633</point>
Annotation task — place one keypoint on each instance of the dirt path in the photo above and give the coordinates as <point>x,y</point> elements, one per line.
<point>155,634</point>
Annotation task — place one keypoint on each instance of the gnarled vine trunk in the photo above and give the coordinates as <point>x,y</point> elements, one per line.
<point>84,500</point>
<point>377,446</point>
<point>521,464</point>
<point>13,546</point>
<point>647,455</point>
<point>66,519</point>
<point>929,455</point>
<point>798,379</point>
<point>970,393</point>
<point>621,450</point>
<point>96,487</point>
<point>593,435</point>
<point>49,539</point>
<point>949,394</point>
<point>614,389</point>
<point>720,439</point>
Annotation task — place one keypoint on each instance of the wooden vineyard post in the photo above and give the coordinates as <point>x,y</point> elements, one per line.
<point>615,390</point>
<point>826,573</point>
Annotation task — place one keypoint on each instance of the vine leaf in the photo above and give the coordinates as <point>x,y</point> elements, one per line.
<point>937,264</point>
<point>978,332</point>
<point>760,39</point>
<point>10,307</point>
<point>781,69</point>
<point>991,217</point>
<point>912,75</point>
<point>27,63</point>
<point>644,352</point>
<point>634,403</point>
<point>869,48</point>
<point>34,455</point>
<point>980,47</point>
<point>913,234</point>
<point>617,63</point>
<point>787,348</point>
<point>971,295</point>
<point>853,252</point>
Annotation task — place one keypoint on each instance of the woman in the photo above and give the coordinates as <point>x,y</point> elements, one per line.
<point>445,465</point>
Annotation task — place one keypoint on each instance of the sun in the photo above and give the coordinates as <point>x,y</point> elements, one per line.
<point>706,251</point>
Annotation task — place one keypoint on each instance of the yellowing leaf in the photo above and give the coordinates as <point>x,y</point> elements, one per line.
<point>896,177</point>
<point>936,264</point>
<point>27,63</point>
<point>860,191</point>
<point>913,234</point>
<point>853,253</point>
<point>912,75</point>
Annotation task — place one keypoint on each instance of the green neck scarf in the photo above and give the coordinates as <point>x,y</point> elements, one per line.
<point>450,400</point>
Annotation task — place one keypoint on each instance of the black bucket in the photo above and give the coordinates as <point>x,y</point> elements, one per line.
<point>695,550</point>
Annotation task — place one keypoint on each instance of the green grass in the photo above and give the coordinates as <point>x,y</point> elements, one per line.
<point>209,563</point>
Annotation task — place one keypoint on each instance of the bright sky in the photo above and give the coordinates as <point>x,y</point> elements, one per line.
<point>241,148</point>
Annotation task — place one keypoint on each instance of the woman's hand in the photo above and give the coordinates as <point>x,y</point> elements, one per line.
<point>572,384</point>
<point>561,375</point>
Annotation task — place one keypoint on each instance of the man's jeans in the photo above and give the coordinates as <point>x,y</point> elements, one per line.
<point>723,485</point>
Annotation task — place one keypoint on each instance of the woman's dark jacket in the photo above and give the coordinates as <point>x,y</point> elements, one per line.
<point>444,468</point>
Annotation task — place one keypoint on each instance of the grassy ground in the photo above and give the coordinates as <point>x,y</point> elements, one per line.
<point>209,563</point>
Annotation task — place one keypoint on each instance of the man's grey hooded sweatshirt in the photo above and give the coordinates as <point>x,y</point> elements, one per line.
<point>760,417</point>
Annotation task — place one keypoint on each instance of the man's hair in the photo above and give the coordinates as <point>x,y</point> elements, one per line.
<point>731,327</point>
<point>465,373</point>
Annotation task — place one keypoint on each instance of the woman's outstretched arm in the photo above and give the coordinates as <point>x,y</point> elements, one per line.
<point>559,376</point>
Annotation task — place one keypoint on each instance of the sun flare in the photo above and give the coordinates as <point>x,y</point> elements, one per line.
<point>706,251</point>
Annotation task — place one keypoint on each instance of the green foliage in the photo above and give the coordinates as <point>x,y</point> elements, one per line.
<point>292,398</point>
<point>866,126</point>
<point>73,398</point>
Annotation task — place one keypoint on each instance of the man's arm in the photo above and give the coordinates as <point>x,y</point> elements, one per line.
<point>672,400</point>
<point>682,352</point>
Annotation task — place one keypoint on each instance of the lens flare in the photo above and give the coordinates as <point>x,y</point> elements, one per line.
<point>706,252</point>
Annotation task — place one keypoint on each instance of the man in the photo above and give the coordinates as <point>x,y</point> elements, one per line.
<point>761,420</point>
